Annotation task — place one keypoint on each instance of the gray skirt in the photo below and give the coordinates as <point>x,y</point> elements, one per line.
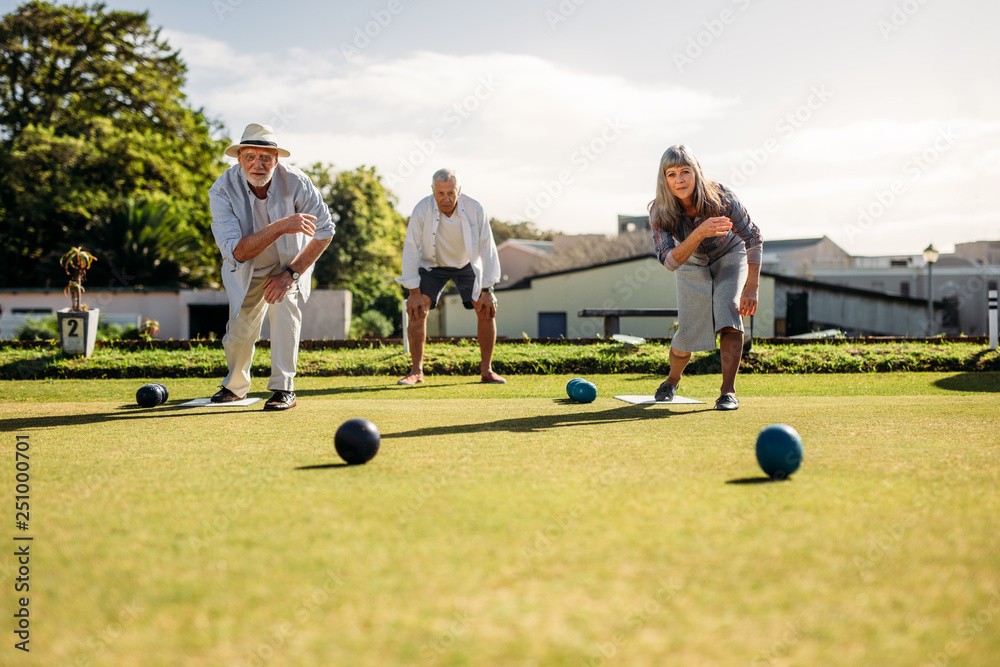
<point>708,299</point>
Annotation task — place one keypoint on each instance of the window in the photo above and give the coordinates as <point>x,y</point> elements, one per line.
<point>551,325</point>
<point>904,288</point>
<point>207,320</point>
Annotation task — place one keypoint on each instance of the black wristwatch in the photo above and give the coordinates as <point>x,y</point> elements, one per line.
<point>488,289</point>
<point>295,275</point>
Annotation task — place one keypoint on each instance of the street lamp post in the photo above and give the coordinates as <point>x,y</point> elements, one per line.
<point>930,256</point>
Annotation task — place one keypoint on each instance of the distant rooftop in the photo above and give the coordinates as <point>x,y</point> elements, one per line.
<point>544,247</point>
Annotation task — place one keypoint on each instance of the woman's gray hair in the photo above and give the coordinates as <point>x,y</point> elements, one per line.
<point>666,210</point>
<point>445,175</point>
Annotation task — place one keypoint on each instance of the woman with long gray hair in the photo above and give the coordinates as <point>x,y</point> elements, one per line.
<point>702,233</point>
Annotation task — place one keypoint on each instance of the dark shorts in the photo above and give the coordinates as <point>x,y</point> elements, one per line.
<point>434,280</point>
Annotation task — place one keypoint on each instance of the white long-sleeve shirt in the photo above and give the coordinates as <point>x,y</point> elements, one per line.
<point>420,249</point>
<point>230,199</point>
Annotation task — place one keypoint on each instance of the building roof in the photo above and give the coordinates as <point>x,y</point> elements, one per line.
<point>780,247</point>
<point>538,247</point>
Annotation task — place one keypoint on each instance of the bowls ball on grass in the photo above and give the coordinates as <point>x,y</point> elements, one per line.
<point>779,450</point>
<point>572,383</point>
<point>151,395</point>
<point>584,392</point>
<point>357,441</point>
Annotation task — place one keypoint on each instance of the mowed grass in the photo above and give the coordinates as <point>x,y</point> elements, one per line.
<point>505,525</point>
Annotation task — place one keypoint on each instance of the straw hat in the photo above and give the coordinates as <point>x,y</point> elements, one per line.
<point>256,136</point>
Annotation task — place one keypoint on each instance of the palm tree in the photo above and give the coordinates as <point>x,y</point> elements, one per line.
<point>147,243</point>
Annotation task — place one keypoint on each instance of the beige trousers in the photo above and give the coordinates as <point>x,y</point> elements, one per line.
<point>243,332</point>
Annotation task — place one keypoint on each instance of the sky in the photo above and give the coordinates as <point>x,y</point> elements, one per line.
<point>873,122</point>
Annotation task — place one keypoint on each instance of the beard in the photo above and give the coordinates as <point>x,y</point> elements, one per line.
<point>259,181</point>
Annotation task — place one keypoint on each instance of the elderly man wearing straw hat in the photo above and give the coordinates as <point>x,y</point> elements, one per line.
<point>271,225</point>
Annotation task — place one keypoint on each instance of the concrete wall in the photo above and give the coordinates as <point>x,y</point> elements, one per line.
<point>858,315</point>
<point>964,286</point>
<point>517,262</point>
<point>636,283</point>
<point>327,314</point>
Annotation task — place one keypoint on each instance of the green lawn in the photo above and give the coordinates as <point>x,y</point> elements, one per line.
<point>504,525</point>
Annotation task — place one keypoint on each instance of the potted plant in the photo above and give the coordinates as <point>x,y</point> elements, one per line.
<point>77,324</point>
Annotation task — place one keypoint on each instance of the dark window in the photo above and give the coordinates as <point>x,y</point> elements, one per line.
<point>551,325</point>
<point>904,288</point>
<point>899,263</point>
<point>207,321</point>
<point>797,313</point>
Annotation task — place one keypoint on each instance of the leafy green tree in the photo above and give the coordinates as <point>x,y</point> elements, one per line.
<point>145,243</point>
<point>366,254</point>
<point>91,110</point>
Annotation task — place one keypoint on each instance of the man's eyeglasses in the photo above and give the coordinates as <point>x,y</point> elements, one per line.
<point>266,159</point>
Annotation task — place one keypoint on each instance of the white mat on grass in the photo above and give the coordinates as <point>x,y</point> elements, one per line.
<point>207,403</point>
<point>649,400</point>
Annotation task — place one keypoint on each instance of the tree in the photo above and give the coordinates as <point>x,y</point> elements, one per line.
<point>145,243</point>
<point>366,254</point>
<point>91,111</point>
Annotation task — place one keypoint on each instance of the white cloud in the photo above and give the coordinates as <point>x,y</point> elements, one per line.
<point>532,138</point>
<point>868,140</point>
<point>513,124</point>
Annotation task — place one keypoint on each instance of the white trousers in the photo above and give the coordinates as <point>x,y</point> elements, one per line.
<point>243,332</point>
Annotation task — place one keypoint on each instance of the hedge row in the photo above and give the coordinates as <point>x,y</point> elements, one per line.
<point>165,359</point>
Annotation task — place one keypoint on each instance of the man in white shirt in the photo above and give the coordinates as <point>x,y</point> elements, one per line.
<point>271,225</point>
<point>449,238</point>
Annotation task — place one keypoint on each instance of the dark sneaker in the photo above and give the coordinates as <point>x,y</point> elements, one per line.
<point>727,402</point>
<point>281,400</point>
<point>665,392</point>
<point>226,396</point>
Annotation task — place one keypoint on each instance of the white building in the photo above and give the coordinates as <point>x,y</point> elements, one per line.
<point>182,313</point>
